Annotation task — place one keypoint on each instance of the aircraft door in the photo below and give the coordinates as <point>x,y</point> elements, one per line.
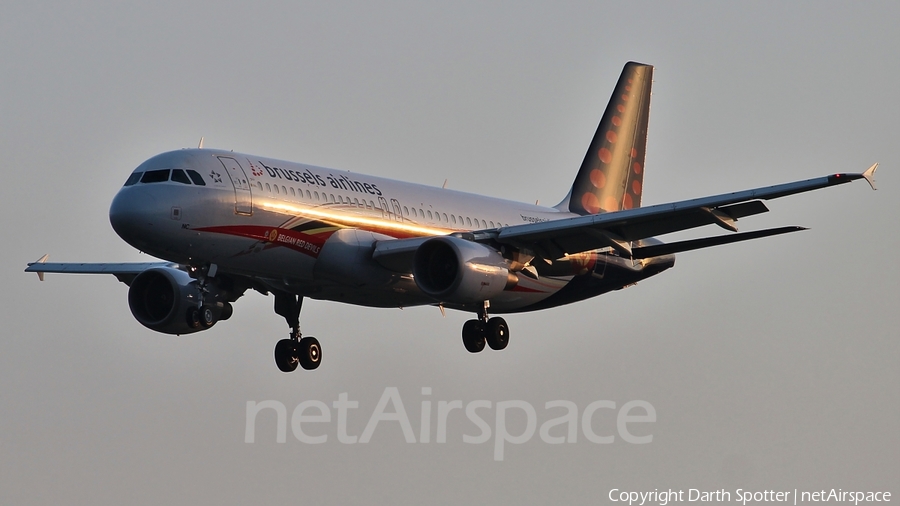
<point>385,211</point>
<point>397,214</point>
<point>243,203</point>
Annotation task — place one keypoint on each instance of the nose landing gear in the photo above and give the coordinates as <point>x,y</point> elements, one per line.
<point>493,331</point>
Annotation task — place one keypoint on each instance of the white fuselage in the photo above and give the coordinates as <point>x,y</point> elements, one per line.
<point>276,221</point>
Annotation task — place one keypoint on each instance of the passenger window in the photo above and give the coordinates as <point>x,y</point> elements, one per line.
<point>453,218</point>
<point>445,218</point>
<point>405,210</point>
<point>268,188</point>
<point>155,176</point>
<point>197,179</point>
<point>332,197</point>
<point>284,191</point>
<point>133,178</point>
<point>179,176</point>
<point>292,192</point>
<point>259,185</point>
<point>468,221</point>
<point>414,212</point>
<point>429,215</point>
<point>492,224</point>
<point>317,196</point>
<point>276,189</point>
<point>308,196</point>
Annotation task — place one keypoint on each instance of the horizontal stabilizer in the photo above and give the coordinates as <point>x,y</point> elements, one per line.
<point>706,242</point>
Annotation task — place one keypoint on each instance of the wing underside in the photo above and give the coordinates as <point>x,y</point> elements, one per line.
<point>620,230</point>
<point>555,239</point>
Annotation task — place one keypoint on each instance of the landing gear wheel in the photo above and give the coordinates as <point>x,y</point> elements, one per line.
<point>286,355</point>
<point>473,335</point>
<point>207,317</point>
<point>193,318</point>
<point>227,311</point>
<point>309,352</point>
<point>497,333</point>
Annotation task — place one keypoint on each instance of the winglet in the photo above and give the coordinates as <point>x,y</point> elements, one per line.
<point>869,174</point>
<point>41,260</point>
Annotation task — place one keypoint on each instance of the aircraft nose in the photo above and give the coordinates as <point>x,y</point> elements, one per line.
<point>132,215</point>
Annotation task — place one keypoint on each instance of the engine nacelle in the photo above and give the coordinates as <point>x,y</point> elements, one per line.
<point>451,269</point>
<point>160,298</point>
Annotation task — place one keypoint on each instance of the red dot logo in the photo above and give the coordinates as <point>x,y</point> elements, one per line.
<point>610,204</point>
<point>590,203</point>
<point>604,155</point>
<point>598,178</point>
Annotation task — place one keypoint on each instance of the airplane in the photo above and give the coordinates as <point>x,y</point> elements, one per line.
<point>223,223</point>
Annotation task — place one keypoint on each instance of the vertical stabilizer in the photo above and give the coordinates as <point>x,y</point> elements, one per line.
<point>612,173</point>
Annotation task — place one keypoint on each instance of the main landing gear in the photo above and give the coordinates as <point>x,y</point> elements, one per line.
<point>494,331</point>
<point>296,350</point>
<point>209,309</point>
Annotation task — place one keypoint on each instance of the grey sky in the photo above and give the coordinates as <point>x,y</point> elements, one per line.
<point>771,364</point>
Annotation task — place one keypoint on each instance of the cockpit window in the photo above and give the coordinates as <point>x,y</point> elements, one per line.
<point>133,178</point>
<point>179,176</point>
<point>195,177</point>
<point>155,176</point>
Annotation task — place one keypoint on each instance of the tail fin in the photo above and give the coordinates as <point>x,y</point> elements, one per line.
<point>612,173</point>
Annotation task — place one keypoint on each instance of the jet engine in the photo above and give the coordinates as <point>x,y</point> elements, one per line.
<point>455,270</point>
<point>167,300</point>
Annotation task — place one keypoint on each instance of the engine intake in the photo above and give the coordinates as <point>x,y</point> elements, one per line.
<point>451,269</point>
<point>159,299</point>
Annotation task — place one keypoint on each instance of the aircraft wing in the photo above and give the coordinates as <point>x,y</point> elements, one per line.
<point>554,239</point>
<point>124,272</point>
